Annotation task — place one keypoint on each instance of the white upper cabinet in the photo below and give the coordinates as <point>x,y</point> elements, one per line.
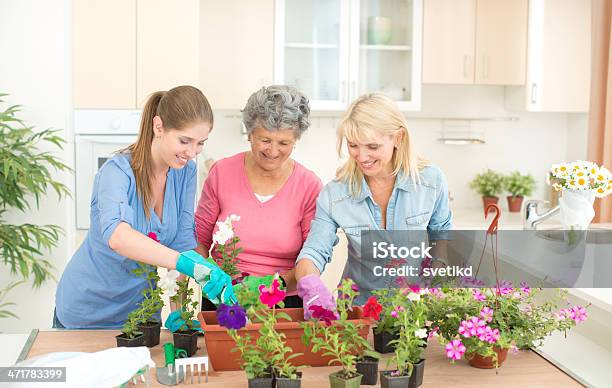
<point>559,58</point>
<point>104,56</point>
<point>236,50</point>
<point>126,49</point>
<point>336,50</point>
<point>168,46</point>
<point>475,42</point>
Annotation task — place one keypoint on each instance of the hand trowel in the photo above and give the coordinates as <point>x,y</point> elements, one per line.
<point>168,375</point>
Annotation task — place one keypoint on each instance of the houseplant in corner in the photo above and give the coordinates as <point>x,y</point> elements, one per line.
<point>519,186</point>
<point>186,337</point>
<point>489,185</point>
<point>26,172</point>
<point>409,358</point>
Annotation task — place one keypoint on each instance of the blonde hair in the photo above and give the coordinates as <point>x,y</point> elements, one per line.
<point>178,108</point>
<point>376,114</point>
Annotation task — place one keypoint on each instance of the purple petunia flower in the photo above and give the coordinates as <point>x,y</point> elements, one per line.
<point>231,317</point>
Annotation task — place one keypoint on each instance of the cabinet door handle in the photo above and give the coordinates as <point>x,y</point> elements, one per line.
<point>534,93</point>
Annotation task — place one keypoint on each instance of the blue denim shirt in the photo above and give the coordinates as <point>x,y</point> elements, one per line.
<point>421,205</point>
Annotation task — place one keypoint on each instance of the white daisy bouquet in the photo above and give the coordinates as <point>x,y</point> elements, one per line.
<point>581,181</point>
<point>581,175</point>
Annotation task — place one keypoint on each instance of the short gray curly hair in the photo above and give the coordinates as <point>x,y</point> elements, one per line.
<point>277,107</point>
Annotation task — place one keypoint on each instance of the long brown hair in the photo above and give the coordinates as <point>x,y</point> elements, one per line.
<point>178,108</point>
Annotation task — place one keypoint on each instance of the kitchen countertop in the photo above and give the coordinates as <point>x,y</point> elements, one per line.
<point>473,219</point>
<point>523,369</point>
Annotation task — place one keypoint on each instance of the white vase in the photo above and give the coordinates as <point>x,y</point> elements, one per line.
<point>577,208</point>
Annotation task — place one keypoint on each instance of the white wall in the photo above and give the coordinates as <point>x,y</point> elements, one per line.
<point>35,70</point>
<point>529,145</point>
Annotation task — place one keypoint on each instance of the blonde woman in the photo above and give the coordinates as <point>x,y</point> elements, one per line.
<point>382,186</point>
<point>146,190</point>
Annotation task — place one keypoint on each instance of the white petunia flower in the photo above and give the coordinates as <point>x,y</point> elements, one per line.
<point>413,296</point>
<point>168,282</point>
<point>421,333</point>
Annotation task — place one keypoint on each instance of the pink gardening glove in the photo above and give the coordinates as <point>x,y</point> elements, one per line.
<point>313,292</point>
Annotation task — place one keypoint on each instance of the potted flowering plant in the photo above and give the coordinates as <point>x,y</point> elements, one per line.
<point>580,182</point>
<point>488,184</point>
<point>186,337</point>
<point>367,359</point>
<point>225,243</point>
<point>339,338</point>
<point>483,324</point>
<point>409,359</point>
<point>130,335</point>
<point>519,186</point>
<point>254,361</point>
<point>385,331</point>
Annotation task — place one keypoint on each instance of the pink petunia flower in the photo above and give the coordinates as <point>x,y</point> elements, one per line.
<point>272,295</point>
<point>578,314</point>
<point>455,349</point>
<point>525,287</point>
<point>478,295</point>
<point>323,314</point>
<point>487,314</point>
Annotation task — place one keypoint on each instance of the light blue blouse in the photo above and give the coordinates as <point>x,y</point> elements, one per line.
<point>97,288</point>
<point>418,206</point>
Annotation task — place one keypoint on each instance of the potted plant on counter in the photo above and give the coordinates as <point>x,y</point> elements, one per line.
<point>151,304</point>
<point>409,357</point>
<point>489,184</point>
<point>131,336</point>
<point>519,186</point>
<point>186,337</point>
<point>482,324</point>
<point>385,331</point>
<point>338,337</point>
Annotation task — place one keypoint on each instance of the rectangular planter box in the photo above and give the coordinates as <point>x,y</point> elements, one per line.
<point>219,344</point>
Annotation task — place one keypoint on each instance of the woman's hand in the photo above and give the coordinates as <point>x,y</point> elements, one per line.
<point>215,283</point>
<point>313,292</point>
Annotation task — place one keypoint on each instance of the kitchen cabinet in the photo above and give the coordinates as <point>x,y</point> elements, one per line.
<point>336,50</point>
<point>475,41</point>
<point>168,39</point>
<point>558,59</point>
<point>104,54</point>
<point>236,51</point>
<point>126,49</point>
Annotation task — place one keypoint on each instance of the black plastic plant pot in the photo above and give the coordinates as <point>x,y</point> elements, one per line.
<point>151,331</point>
<point>283,382</point>
<point>187,340</point>
<point>368,367</point>
<point>337,381</point>
<point>261,382</point>
<point>413,381</point>
<point>124,341</point>
<point>381,341</point>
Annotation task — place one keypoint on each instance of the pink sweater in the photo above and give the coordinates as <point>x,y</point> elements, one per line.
<point>271,233</point>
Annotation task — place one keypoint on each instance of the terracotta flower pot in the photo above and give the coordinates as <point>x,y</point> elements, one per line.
<point>219,344</point>
<point>368,367</point>
<point>151,331</point>
<point>478,361</point>
<point>381,341</point>
<point>515,203</point>
<point>486,201</point>
<point>123,341</point>
<point>336,381</point>
<point>187,340</point>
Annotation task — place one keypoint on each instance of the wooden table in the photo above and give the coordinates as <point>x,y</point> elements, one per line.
<point>525,369</point>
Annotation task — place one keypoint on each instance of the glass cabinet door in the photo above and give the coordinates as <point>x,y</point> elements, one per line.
<point>386,49</point>
<point>312,49</point>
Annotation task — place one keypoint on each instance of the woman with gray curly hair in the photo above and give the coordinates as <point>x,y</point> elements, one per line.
<point>274,195</point>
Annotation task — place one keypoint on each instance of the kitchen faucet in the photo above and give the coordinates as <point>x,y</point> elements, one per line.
<point>532,218</point>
